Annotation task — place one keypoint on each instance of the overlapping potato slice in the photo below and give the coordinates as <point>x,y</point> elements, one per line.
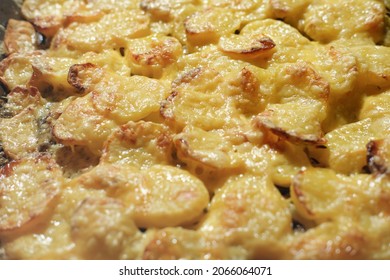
<point>352,212</point>
<point>179,243</point>
<point>345,150</point>
<point>366,239</point>
<point>166,10</point>
<point>251,9</point>
<point>48,16</point>
<point>246,210</point>
<point>207,26</point>
<point>50,72</point>
<point>300,84</point>
<point>335,63</point>
<point>16,70</point>
<point>20,37</point>
<point>207,150</point>
<point>161,195</point>
<point>19,99</point>
<point>346,19</point>
<point>374,71</point>
<point>52,239</point>
<point>28,188</point>
<point>331,240</point>
<point>281,33</point>
<point>175,244</point>
<point>139,144</point>
<point>102,228</point>
<point>120,98</point>
<point>375,106</point>
<point>198,99</point>
<point>50,77</point>
<point>81,124</point>
<point>128,100</point>
<point>241,80</point>
<point>19,134</point>
<point>27,131</point>
<point>216,155</point>
<point>207,57</point>
<point>290,11</point>
<point>148,56</point>
<point>254,46</point>
<point>297,105</point>
<point>174,198</point>
<point>113,30</point>
<point>322,194</point>
<point>296,80</point>
<point>283,120</point>
<point>167,17</point>
<point>110,100</point>
<point>90,10</point>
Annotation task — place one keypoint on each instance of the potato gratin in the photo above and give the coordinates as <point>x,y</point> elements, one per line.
<point>196,129</point>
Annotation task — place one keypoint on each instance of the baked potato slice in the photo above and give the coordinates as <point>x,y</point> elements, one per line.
<point>161,195</point>
<point>28,191</point>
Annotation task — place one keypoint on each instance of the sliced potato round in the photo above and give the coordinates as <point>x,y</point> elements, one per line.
<point>161,195</point>
<point>239,5</point>
<point>19,37</point>
<point>344,20</point>
<point>175,198</point>
<point>345,240</point>
<point>320,194</point>
<point>102,228</point>
<point>112,30</point>
<point>125,99</point>
<point>206,149</point>
<point>302,128</point>
<point>148,56</point>
<point>281,33</point>
<point>179,243</point>
<point>140,144</point>
<point>247,46</point>
<point>118,97</point>
<point>289,10</point>
<point>345,150</point>
<point>208,26</point>
<point>48,16</point>
<point>16,70</point>
<point>27,189</point>
<point>376,106</point>
<point>80,124</point>
<point>197,100</point>
<point>247,208</point>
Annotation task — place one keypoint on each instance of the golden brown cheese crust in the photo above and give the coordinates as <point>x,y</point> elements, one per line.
<point>196,129</point>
